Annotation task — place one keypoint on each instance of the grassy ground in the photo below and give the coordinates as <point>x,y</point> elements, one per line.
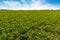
<point>30,25</point>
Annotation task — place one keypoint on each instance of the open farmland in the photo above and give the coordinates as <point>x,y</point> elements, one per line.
<point>30,25</point>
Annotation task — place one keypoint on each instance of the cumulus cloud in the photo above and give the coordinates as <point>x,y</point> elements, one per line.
<point>35,5</point>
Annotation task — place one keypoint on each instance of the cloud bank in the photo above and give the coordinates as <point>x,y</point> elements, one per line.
<point>29,5</point>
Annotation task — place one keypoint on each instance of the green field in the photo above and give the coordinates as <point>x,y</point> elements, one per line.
<point>30,25</point>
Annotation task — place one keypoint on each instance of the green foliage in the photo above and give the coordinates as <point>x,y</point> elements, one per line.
<point>30,25</point>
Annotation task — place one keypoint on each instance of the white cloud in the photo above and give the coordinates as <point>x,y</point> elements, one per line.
<point>35,5</point>
<point>38,1</point>
<point>11,3</point>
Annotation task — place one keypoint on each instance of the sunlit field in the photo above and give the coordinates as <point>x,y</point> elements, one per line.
<point>30,25</point>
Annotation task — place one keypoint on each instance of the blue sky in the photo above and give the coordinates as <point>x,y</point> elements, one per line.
<point>54,2</point>
<point>29,4</point>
